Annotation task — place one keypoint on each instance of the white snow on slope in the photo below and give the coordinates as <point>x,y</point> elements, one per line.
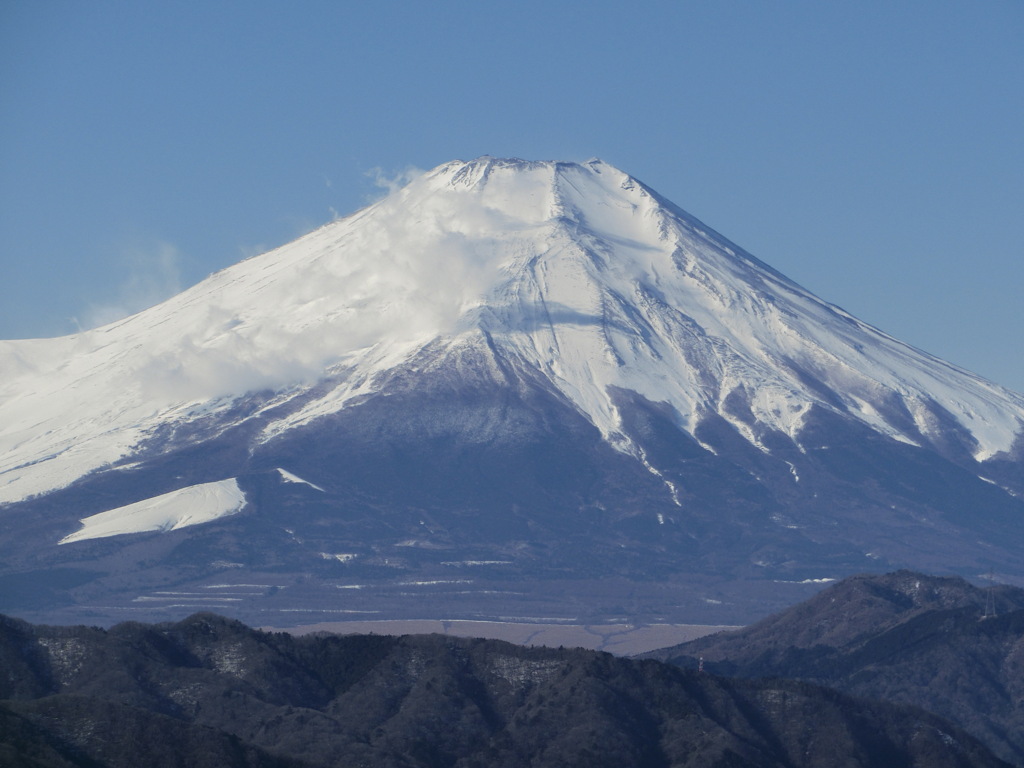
<point>193,505</point>
<point>600,284</point>
<point>577,270</point>
<point>288,477</point>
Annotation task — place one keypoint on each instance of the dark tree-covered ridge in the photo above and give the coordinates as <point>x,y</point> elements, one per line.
<point>210,691</point>
<point>938,643</point>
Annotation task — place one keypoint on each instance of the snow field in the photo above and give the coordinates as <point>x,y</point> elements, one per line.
<point>577,270</point>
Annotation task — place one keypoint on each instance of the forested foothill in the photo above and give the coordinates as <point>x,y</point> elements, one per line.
<point>209,691</point>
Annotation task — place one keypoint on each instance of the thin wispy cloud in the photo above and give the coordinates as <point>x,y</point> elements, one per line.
<point>392,181</point>
<point>151,275</point>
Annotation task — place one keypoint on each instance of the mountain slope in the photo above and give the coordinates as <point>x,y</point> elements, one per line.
<point>545,367</point>
<point>902,637</point>
<point>169,692</point>
<point>579,272</point>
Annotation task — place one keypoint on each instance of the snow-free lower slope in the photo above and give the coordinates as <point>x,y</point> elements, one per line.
<point>577,271</point>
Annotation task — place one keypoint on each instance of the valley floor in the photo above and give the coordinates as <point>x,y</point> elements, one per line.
<point>620,639</point>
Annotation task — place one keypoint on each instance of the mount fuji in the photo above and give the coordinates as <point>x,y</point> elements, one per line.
<point>509,390</point>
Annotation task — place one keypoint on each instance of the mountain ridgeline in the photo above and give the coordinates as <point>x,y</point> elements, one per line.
<point>937,643</point>
<point>207,691</point>
<point>508,390</point>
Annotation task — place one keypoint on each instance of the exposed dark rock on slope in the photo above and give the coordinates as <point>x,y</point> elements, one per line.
<point>937,643</point>
<point>214,692</point>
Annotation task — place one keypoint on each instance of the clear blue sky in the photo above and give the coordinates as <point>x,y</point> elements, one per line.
<point>872,151</point>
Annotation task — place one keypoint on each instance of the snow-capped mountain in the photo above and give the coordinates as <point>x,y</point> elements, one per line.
<point>544,367</point>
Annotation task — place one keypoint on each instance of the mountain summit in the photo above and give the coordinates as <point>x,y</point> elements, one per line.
<point>539,371</point>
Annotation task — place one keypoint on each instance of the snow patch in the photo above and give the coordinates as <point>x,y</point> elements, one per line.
<point>193,505</point>
<point>673,491</point>
<point>288,477</point>
<point>473,563</point>
<point>242,586</point>
<point>341,557</point>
